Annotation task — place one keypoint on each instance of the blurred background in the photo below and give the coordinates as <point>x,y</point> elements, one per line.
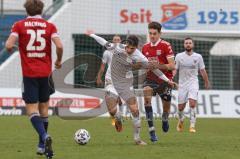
<point>214,25</point>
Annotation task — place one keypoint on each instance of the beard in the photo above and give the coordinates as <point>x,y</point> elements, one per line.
<point>188,49</point>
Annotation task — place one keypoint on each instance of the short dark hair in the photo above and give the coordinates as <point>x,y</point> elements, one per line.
<point>155,25</point>
<point>132,40</point>
<point>188,38</point>
<point>34,7</point>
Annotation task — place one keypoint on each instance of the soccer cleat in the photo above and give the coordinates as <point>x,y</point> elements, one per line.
<point>152,134</point>
<point>48,147</point>
<point>40,151</point>
<point>165,126</point>
<point>192,130</point>
<point>113,121</point>
<point>180,126</point>
<point>140,142</point>
<point>118,124</point>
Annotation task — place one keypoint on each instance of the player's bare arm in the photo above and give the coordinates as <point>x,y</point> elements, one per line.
<point>170,66</point>
<point>157,72</point>
<point>205,78</point>
<point>59,52</point>
<point>99,75</point>
<point>151,65</point>
<point>10,43</point>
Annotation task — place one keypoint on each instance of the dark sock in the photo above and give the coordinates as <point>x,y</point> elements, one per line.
<point>38,125</point>
<point>149,116</point>
<point>45,123</point>
<point>165,116</point>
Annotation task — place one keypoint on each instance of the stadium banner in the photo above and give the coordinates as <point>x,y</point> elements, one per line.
<point>211,104</point>
<point>178,15</point>
<point>11,102</point>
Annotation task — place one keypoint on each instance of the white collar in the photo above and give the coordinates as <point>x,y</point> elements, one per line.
<point>155,43</point>
<point>188,54</point>
<point>36,16</point>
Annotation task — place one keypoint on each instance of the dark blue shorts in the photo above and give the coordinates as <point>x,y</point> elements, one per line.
<point>163,90</point>
<point>36,90</point>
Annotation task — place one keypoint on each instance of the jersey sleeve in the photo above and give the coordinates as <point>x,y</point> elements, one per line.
<point>54,32</point>
<point>15,30</point>
<point>177,62</point>
<point>105,57</point>
<point>169,51</point>
<point>201,64</point>
<point>141,57</point>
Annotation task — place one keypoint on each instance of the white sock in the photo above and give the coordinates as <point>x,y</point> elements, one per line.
<point>192,117</point>
<point>181,115</point>
<point>120,109</point>
<point>117,114</point>
<point>136,127</point>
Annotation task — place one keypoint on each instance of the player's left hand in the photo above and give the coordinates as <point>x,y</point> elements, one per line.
<point>173,84</point>
<point>58,64</point>
<point>89,32</point>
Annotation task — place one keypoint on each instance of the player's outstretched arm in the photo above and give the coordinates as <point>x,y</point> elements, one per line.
<point>10,43</point>
<point>161,75</point>
<point>99,39</point>
<point>152,66</point>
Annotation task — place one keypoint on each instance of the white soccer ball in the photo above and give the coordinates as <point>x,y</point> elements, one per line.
<point>82,136</point>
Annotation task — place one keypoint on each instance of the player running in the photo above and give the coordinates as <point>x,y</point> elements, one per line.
<point>34,36</point>
<point>161,51</point>
<point>125,58</point>
<point>109,88</point>
<point>189,63</point>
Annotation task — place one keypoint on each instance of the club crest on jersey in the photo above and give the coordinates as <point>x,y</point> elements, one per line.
<point>147,53</point>
<point>195,61</point>
<point>159,52</point>
<point>174,16</point>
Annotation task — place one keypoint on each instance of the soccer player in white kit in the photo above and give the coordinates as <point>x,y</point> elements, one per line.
<point>109,88</point>
<point>188,63</point>
<point>125,58</point>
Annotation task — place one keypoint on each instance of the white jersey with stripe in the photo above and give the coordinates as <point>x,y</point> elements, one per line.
<point>122,62</point>
<point>188,66</point>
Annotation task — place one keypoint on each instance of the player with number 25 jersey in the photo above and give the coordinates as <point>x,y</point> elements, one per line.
<point>34,36</point>
<point>35,45</point>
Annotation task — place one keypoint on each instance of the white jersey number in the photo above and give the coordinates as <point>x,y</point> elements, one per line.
<point>36,36</point>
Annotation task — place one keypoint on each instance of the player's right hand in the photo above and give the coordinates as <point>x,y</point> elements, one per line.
<point>99,81</point>
<point>207,85</point>
<point>153,65</point>
<point>89,32</point>
<point>58,64</point>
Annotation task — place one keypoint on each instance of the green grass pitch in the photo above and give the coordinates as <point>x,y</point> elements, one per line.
<point>215,139</point>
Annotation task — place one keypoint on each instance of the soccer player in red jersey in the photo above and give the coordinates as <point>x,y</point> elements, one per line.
<point>161,52</point>
<point>35,36</point>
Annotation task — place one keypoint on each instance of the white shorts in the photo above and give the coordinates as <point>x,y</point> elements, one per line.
<point>109,88</point>
<point>185,93</point>
<point>124,90</point>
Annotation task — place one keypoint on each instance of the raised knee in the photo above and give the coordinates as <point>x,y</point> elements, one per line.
<point>135,112</point>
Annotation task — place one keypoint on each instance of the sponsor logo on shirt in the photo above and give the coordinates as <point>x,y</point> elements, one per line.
<point>159,52</point>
